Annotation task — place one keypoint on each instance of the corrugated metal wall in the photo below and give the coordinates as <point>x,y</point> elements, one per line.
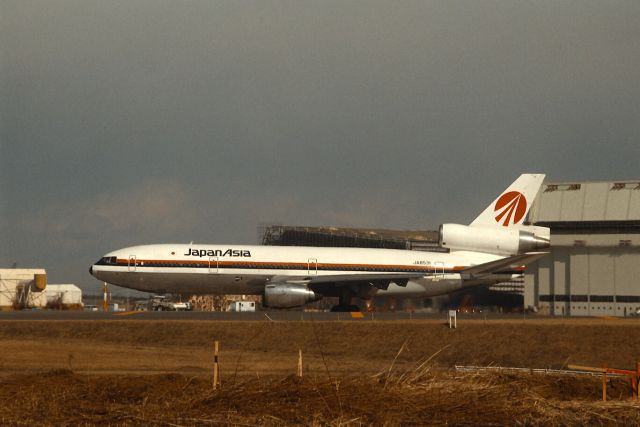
<point>590,201</point>
<point>585,282</point>
<point>588,274</point>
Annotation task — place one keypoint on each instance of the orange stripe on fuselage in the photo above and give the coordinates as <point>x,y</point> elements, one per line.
<point>300,265</point>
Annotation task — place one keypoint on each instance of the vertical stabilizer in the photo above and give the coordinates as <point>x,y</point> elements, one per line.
<point>511,207</point>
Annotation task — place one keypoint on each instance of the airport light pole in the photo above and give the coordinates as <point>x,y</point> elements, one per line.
<point>105,298</point>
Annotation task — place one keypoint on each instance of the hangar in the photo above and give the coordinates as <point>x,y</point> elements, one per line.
<point>594,265</point>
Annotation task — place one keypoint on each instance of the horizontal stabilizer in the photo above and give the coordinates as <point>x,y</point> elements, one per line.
<point>504,265</point>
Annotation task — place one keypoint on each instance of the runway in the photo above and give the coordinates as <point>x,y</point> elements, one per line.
<point>55,315</point>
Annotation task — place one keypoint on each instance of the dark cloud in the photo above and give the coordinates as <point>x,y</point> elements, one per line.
<point>150,121</point>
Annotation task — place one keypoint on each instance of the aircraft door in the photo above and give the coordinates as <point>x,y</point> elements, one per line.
<point>438,270</point>
<point>214,264</point>
<point>312,266</point>
<point>132,263</point>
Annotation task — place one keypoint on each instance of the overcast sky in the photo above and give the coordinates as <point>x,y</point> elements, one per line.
<point>134,122</point>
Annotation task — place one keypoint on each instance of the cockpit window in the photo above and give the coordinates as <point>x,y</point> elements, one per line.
<point>108,260</point>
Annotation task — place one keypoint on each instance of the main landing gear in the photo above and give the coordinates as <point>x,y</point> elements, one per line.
<point>345,305</point>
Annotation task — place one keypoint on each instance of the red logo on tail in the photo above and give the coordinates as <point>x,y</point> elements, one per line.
<point>511,208</point>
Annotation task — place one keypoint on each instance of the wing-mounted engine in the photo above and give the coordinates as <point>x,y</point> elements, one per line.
<point>501,241</point>
<point>288,295</point>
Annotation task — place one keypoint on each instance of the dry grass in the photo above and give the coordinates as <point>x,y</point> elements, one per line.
<point>367,373</point>
<point>362,347</point>
<point>405,398</point>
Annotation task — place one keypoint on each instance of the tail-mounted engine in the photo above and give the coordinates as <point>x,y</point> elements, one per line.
<point>507,241</point>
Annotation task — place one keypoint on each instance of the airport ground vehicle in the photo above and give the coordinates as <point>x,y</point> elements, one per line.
<point>161,303</point>
<point>242,306</point>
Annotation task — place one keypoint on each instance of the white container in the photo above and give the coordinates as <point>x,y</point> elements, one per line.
<point>243,306</point>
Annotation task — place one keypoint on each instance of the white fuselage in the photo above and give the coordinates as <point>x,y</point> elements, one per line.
<point>237,269</point>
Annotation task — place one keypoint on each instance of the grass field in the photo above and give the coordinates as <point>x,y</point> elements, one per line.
<point>381,373</point>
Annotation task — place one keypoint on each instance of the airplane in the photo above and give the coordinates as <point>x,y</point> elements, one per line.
<point>494,248</point>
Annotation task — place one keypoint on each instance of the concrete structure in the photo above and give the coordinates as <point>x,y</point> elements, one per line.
<point>287,235</point>
<point>594,265</point>
<point>22,288</point>
<point>63,296</point>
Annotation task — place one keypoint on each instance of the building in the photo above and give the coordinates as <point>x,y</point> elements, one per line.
<point>66,296</point>
<point>22,288</point>
<point>286,235</point>
<point>594,265</point>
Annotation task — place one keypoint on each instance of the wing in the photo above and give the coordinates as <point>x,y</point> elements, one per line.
<point>380,280</point>
<point>507,265</point>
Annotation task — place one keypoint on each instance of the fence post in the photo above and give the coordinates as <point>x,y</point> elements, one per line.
<point>636,380</point>
<point>216,373</point>
<point>453,321</point>
<point>604,383</point>
<point>300,362</point>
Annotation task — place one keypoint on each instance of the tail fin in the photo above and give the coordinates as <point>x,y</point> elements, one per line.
<point>511,207</point>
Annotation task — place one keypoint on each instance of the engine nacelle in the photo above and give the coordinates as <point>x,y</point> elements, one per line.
<point>288,295</point>
<point>507,241</point>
